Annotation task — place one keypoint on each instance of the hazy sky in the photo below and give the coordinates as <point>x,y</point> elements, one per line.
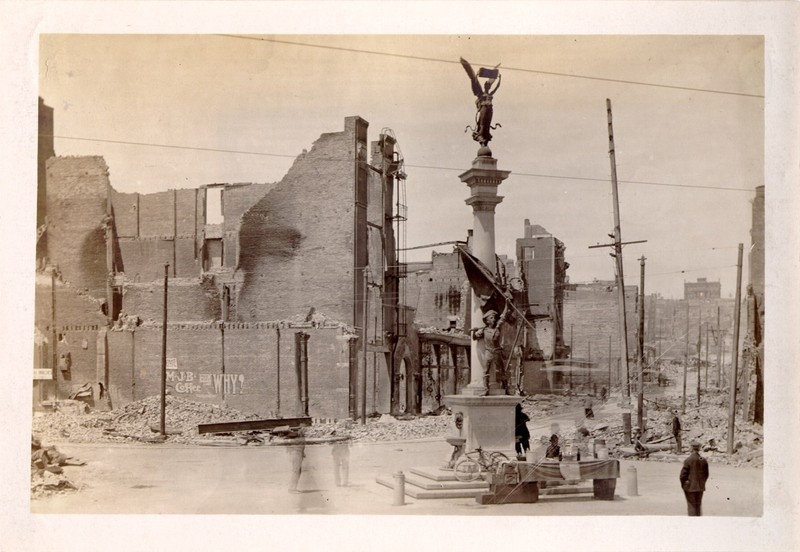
<point>695,123</point>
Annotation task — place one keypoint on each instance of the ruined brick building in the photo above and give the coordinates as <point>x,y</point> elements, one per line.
<point>265,283</point>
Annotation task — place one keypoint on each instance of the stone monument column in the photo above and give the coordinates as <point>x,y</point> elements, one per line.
<point>483,180</point>
<point>488,413</point>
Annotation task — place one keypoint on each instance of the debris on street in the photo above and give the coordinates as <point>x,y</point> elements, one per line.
<point>47,474</point>
<point>139,420</point>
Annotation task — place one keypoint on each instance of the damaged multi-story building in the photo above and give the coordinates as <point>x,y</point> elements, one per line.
<point>270,287</point>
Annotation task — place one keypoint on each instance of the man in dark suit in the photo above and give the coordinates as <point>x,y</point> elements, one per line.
<point>693,479</point>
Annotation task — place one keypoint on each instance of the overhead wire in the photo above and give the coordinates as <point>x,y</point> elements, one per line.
<point>505,68</point>
<point>426,167</point>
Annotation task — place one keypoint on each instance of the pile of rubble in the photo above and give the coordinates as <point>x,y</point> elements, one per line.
<point>707,424</point>
<point>388,428</point>
<point>47,474</point>
<point>140,422</point>
<point>136,421</point>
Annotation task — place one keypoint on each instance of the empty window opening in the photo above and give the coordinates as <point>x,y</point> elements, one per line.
<point>214,206</point>
<point>214,248</point>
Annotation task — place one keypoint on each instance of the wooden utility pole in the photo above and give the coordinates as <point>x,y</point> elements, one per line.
<point>746,363</point>
<point>699,346</point>
<point>589,365</point>
<point>163,424</point>
<point>685,360</point>
<point>705,384</point>
<point>640,401</point>
<point>609,364</point>
<point>719,352</point>
<point>571,356</point>
<point>735,351</point>
<point>617,254</point>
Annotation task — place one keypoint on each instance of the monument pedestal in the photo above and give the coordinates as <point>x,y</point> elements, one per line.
<point>488,421</point>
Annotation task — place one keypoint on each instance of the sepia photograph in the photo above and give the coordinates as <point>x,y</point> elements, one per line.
<point>462,276</point>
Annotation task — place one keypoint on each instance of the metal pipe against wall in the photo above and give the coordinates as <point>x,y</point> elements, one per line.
<point>54,332</point>
<point>109,237</point>
<point>364,348</point>
<point>278,370</point>
<point>299,370</point>
<point>353,376</point>
<point>162,426</point>
<point>304,369</point>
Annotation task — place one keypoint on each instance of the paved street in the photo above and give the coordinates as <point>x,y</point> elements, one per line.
<point>163,479</point>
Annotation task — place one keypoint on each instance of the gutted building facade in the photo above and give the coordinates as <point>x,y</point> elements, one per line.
<point>263,281</point>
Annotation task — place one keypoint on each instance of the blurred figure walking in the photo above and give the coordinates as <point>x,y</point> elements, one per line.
<point>341,461</point>
<point>296,452</point>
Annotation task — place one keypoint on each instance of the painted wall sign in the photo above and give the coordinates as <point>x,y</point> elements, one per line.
<point>42,374</point>
<point>185,382</point>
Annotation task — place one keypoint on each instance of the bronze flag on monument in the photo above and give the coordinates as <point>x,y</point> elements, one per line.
<point>483,283</point>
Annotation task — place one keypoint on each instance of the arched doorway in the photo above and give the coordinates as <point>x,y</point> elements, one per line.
<point>402,384</point>
<point>406,384</point>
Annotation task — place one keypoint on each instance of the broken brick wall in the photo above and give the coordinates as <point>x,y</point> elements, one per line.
<point>236,200</point>
<point>80,342</point>
<point>72,307</point>
<point>591,316</point>
<point>297,243</point>
<point>188,300</point>
<point>77,189</point>
<point>437,292</point>
<point>234,364</point>
<point>536,254</point>
<point>154,229</point>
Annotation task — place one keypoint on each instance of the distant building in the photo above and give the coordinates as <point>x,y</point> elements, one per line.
<point>592,327</point>
<point>757,250</point>
<point>701,289</point>
<point>438,291</point>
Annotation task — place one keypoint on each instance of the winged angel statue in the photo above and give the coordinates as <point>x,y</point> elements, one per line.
<point>483,100</point>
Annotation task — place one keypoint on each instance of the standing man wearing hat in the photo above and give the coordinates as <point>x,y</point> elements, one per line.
<point>693,479</point>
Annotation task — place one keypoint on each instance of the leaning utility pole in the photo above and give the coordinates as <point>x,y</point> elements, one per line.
<point>735,350</point>
<point>640,402</point>
<point>617,254</point>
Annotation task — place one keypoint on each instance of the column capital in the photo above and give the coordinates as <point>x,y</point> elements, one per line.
<point>482,201</point>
